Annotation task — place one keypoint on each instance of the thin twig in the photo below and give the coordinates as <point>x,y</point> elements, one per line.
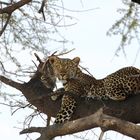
<point>101,135</point>
<point>5,71</point>
<point>66,52</point>
<point>4,27</point>
<point>76,11</point>
<point>20,108</point>
<point>86,70</point>
<point>41,10</point>
<point>34,63</point>
<point>56,55</point>
<point>5,3</point>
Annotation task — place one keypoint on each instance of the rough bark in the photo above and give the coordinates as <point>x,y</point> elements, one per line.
<point>99,119</point>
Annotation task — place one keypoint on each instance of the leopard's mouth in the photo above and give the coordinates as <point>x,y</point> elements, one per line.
<point>63,81</point>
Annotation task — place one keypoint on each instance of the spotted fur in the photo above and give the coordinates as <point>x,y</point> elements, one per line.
<point>116,86</point>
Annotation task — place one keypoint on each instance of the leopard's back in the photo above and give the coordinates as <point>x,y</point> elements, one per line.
<point>125,72</point>
<point>122,83</point>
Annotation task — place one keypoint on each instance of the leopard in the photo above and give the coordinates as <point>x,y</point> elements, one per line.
<point>116,86</point>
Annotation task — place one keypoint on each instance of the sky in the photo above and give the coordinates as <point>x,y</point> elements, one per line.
<point>97,53</point>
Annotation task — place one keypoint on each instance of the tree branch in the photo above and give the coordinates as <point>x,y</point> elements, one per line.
<point>38,95</point>
<point>13,7</point>
<point>136,1</point>
<point>4,27</point>
<point>32,129</point>
<point>11,83</point>
<point>99,119</point>
<point>41,10</point>
<point>5,3</point>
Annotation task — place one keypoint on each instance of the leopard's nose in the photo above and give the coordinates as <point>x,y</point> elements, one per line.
<point>62,77</point>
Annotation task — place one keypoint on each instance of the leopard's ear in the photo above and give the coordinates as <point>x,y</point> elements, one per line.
<point>52,59</point>
<point>76,60</point>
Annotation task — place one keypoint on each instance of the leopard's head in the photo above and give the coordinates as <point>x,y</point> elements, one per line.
<point>64,68</point>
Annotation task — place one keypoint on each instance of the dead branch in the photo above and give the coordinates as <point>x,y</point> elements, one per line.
<point>98,119</point>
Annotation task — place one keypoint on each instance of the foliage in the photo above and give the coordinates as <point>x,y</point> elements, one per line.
<point>128,26</point>
<point>28,31</point>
